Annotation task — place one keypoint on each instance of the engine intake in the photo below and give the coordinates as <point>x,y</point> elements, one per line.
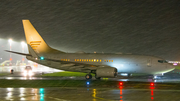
<point>106,72</point>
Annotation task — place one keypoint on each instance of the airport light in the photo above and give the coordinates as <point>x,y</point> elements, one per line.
<point>22,44</point>
<point>151,84</point>
<point>87,83</point>
<point>10,43</point>
<point>121,83</point>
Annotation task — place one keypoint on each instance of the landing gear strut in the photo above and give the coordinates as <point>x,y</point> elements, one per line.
<point>129,74</point>
<point>88,76</point>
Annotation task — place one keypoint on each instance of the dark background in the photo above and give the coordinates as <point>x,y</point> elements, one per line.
<point>148,27</point>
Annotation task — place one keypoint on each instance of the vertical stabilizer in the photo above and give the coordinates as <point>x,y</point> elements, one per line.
<point>35,40</point>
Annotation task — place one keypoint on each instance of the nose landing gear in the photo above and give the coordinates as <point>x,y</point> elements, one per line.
<point>88,76</point>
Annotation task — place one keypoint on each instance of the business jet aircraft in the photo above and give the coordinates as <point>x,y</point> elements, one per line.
<point>100,64</point>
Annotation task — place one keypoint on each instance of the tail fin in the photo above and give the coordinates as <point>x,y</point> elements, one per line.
<point>35,41</point>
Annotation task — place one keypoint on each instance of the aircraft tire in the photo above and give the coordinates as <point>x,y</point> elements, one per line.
<point>129,75</point>
<point>88,76</point>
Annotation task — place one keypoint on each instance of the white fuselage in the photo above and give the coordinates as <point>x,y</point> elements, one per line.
<point>125,63</point>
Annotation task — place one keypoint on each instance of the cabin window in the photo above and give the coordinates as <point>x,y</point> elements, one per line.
<point>94,60</point>
<point>88,60</point>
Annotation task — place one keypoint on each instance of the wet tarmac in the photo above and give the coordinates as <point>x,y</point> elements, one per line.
<point>166,89</point>
<point>87,94</point>
<point>104,79</point>
<point>167,78</point>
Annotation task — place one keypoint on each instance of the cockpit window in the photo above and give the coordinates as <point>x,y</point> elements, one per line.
<point>165,61</point>
<point>162,61</point>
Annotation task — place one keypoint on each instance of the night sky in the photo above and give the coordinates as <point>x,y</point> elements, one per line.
<point>150,27</point>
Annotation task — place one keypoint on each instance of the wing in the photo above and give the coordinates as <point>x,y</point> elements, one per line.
<point>62,65</point>
<point>66,65</point>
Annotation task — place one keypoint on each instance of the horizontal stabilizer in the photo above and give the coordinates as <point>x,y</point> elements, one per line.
<point>18,53</point>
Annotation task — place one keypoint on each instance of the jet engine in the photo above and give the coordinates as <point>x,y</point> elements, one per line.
<point>109,72</point>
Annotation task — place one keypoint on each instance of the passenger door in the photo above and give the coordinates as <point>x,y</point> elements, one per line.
<point>149,62</point>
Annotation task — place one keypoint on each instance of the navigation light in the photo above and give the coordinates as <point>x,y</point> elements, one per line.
<point>42,58</point>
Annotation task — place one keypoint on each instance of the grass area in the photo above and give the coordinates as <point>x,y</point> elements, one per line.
<point>76,74</point>
<point>67,74</point>
<point>177,67</point>
<point>4,74</point>
<point>54,83</point>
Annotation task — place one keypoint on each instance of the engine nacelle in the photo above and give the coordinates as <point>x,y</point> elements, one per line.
<point>106,72</point>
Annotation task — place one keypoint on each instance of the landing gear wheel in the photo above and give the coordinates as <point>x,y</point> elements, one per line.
<point>88,76</point>
<point>129,75</point>
<point>98,78</point>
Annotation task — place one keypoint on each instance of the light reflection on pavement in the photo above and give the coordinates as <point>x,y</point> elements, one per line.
<point>87,94</point>
<point>17,94</point>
